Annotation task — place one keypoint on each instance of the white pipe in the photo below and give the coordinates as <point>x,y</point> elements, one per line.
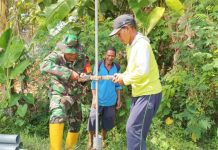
<point>97,138</point>
<point>96,62</point>
<point>9,146</point>
<point>10,139</point>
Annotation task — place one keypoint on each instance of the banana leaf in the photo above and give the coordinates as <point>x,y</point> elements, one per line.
<point>19,69</point>
<point>2,76</point>
<point>176,5</point>
<point>5,38</point>
<point>57,12</point>
<point>12,53</point>
<point>154,17</point>
<point>147,20</point>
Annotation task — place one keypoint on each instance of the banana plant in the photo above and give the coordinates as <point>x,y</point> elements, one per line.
<point>106,8</point>
<point>11,64</point>
<point>51,16</point>
<point>176,6</point>
<point>56,12</point>
<point>148,20</point>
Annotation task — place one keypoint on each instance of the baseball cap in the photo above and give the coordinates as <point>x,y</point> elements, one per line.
<point>70,51</point>
<point>121,21</point>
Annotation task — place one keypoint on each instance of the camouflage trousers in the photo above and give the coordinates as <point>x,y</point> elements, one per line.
<point>66,109</point>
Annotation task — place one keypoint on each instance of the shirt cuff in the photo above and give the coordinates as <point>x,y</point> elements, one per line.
<point>126,80</point>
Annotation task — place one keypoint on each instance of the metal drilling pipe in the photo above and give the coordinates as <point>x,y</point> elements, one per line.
<point>97,138</point>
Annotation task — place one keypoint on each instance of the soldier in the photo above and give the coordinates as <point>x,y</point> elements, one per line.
<point>72,41</point>
<point>64,94</point>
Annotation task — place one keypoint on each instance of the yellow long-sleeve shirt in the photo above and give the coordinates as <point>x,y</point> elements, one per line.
<point>142,70</point>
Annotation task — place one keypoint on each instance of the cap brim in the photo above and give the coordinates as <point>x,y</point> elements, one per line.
<point>114,32</point>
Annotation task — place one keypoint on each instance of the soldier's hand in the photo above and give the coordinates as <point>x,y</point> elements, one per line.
<point>82,78</point>
<point>74,75</point>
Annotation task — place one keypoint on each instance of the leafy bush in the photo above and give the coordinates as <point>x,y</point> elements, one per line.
<point>190,88</point>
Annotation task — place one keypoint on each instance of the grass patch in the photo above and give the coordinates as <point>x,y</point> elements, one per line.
<point>34,142</point>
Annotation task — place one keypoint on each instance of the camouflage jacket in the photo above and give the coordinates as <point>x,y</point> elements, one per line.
<point>60,71</point>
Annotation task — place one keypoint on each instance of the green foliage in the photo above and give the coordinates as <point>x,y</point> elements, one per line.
<point>10,56</point>
<point>24,112</point>
<point>190,93</point>
<point>176,5</point>
<point>33,141</point>
<point>2,76</point>
<point>29,98</point>
<point>56,12</point>
<point>20,101</point>
<point>4,39</point>
<point>116,140</point>
<point>154,16</point>
<point>10,66</point>
<point>185,47</point>
<point>106,8</point>
<point>189,88</point>
<point>19,69</point>
<point>168,137</point>
<point>14,100</point>
<point>21,111</point>
<point>160,39</point>
<point>104,40</point>
<point>148,20</point>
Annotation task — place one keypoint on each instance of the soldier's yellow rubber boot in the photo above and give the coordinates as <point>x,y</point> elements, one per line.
<point>56,136</point>
<point>71,140</point>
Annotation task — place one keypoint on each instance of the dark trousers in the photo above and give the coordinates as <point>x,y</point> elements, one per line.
<point>106,118</point>
<point>142,111</point>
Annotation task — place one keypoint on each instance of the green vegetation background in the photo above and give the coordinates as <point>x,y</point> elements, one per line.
<point>185,44</point>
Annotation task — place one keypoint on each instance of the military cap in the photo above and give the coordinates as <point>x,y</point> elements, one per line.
<point>70,51</point>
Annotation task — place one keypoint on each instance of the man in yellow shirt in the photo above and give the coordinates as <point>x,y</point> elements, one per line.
<point>143,75</point>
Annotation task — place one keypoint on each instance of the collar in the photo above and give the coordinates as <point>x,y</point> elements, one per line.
<point>138,35</point>
<point>111,64</point>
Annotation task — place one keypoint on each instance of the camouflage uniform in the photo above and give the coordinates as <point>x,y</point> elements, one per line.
<point>64,94</point>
